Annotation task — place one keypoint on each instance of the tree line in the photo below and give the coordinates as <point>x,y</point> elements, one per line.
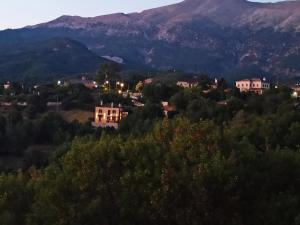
<point>180,172</point>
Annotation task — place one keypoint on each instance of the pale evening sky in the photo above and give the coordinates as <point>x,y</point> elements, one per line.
<point>19,13</point>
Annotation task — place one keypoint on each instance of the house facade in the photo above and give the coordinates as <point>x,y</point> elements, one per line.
<point>187,84</point>
<point>90,84</point>
<point>255,85</point>
<point>109,116</point>
<point>7,85</point>
<point>169,110</point>
<point>148,81</point>
<point>295,91</point>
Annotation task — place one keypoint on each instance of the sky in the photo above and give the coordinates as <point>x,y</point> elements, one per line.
<point>20,13</point>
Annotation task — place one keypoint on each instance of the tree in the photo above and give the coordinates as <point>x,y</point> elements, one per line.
<point>14,117</point>
<point>139,86</point>
<point>15,199</point>
<point>36,104</point>
<point>3,124</point>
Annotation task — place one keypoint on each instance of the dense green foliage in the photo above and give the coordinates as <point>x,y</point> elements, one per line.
<point>179,173</point>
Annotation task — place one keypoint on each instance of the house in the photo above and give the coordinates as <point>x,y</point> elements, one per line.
<point>187,84</point>
<point>7,85</point>
<point>295,91</point>
<point>109,116</point>
<point>54,105</point>
<point>169,110</point>
<point>222,103</point>
<point>90,84</point>
<point>9,104</point>
<point>255,85</point>
<point>135,95</point>
<point>148,81</point>
<point>214,85</point>
<point>137,103</point>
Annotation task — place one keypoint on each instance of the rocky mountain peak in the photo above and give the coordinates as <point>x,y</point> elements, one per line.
<point>201,35</point>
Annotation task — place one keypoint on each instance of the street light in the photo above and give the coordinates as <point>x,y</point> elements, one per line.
<point>107,85</point>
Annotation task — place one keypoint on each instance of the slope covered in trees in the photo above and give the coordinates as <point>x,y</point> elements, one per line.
<point>47,59</point>
<point>178,173</point>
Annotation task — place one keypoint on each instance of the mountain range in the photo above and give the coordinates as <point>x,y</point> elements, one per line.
<point>230,38</point>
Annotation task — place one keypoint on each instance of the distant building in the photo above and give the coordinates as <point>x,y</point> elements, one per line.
<point>7,85</point>
<point>295,91</point>
<point>137,103</point>
<point>8,104</point>
<point>222,103</point>
<point>148,81</point>
<point>109,116</point>
<point>169,110</point>
<point>187,84</point>
<point>255,85</point>
<point>54,105</point>
<point>90,84</point>
<point>135,95</point>
<point>215,84</point>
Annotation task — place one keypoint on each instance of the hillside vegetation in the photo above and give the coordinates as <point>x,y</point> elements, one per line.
<point>45,60</point>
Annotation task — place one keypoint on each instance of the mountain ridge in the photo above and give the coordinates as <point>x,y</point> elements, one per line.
<point>47,59</point>
<point>231,38</point>
<point>288,11</point>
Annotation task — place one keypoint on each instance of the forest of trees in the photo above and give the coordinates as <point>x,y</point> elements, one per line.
<point>213,164</point>
<point>178,173</point>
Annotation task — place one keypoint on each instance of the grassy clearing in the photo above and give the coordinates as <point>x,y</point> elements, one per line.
<point>80,115</point>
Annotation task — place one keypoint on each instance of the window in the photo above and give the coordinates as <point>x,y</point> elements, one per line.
<point>114,111</point>
<point>108,112</point>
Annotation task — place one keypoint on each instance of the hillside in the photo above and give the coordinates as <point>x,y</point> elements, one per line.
<point>47,59</point>
<point>232,38</point>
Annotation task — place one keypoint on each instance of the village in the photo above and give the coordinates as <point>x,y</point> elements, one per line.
<point>106,104</point>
